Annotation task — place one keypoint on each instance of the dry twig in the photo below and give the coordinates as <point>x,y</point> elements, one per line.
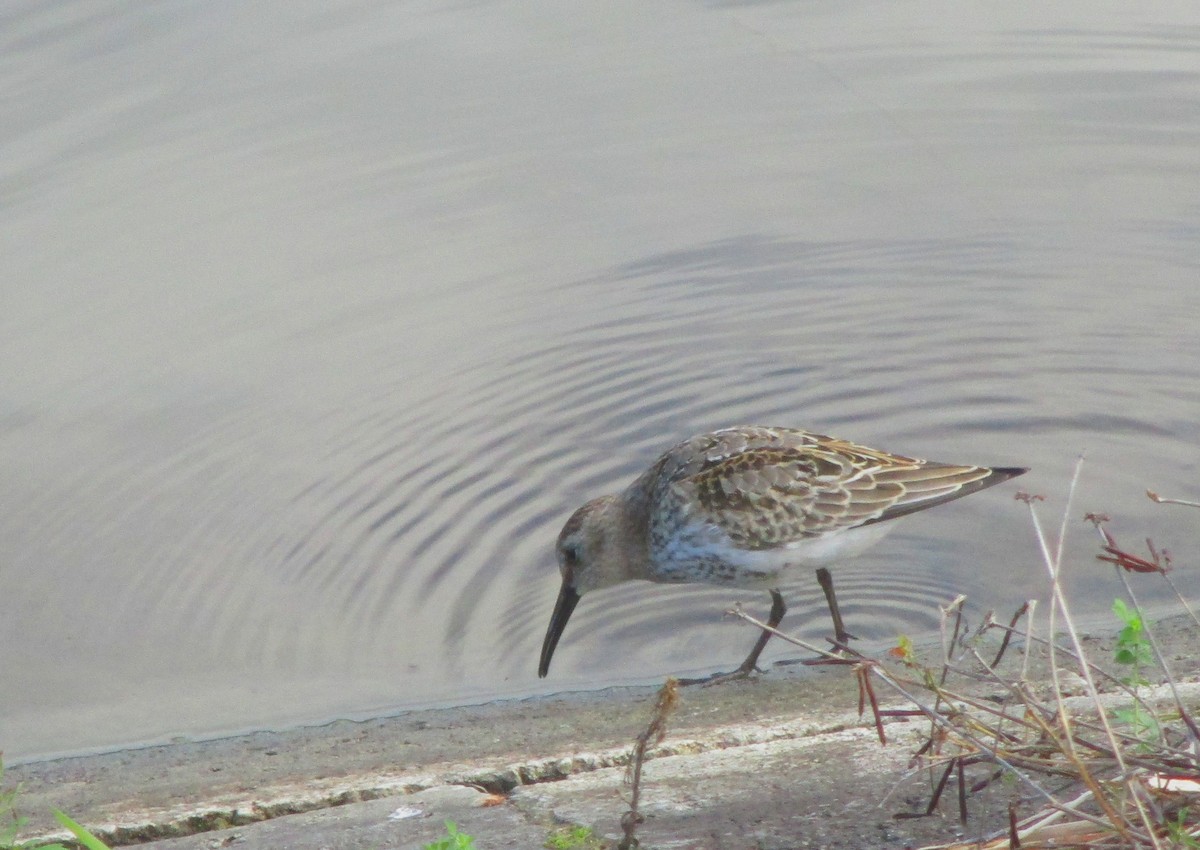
<point>668,699</point>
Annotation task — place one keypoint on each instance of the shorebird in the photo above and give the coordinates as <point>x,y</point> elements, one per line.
<point>738,506</point>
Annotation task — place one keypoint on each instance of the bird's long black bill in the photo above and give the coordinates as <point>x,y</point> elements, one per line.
<point>567,600</point>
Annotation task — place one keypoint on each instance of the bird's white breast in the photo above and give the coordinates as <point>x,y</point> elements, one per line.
<point>705,554</point>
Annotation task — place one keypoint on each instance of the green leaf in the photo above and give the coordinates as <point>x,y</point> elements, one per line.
<point>454,840</point>
<point>88,840</point>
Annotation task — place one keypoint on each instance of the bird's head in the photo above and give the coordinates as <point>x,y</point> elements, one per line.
<point>591,555</point>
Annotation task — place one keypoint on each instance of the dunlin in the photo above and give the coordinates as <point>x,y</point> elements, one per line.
<point>738,506</point>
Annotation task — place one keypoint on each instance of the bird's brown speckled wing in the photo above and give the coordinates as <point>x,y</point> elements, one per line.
<point>768,487</point>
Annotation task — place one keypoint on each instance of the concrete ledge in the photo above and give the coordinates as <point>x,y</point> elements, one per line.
<point>780,761</point>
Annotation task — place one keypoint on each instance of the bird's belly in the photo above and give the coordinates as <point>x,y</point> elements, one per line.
<point>836,546</point>
<point>714,559</point>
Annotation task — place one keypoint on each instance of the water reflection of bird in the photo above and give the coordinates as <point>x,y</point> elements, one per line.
<point>738,506</point>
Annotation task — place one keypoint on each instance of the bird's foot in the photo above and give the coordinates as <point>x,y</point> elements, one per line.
<point>743,672</point>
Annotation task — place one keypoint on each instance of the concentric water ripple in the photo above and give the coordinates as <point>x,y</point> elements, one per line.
<point>463,536</point>
<point>314,342</point>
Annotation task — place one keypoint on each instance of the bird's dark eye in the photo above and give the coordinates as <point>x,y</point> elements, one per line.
<point>570,556</point>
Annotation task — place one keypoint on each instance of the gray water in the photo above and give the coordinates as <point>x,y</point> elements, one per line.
<point>318,320</point>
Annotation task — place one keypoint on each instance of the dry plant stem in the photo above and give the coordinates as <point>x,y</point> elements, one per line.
<point>865,689</point>
<point>1012,625</point>
<point>1125,560</point>
<point>736,611</point>
<point>1096,670</point>
<point>1165,501</point>
<point>1031,761</point>
<point>948,645</point>
<point>938,719</point>
<point>942,722</point>
<point>936,796</point>
<point>1053,565</point>
<point>1028,827</point>
<point>1016,693</point>
<point>1184,758</point>
<point>1182,599</point>
<point>1066,743</point>
<point>1014,838</point>
<point>947,651</point>
<point>1029,638</point>
<point>962,794</point>
<point>668,699</point>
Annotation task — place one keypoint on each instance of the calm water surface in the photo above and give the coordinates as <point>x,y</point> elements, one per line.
<point>319,319</point>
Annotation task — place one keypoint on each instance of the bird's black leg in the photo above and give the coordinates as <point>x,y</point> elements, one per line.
<point>778,609</point>
<point>750,665</point>
<point>839,630</point>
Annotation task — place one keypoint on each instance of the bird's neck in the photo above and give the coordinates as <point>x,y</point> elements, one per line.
<point>629,539</point>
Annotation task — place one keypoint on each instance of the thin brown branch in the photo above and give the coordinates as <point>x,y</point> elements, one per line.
<point>668,699</point>
<point>1154,497</point>
<point>1008,634</point>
